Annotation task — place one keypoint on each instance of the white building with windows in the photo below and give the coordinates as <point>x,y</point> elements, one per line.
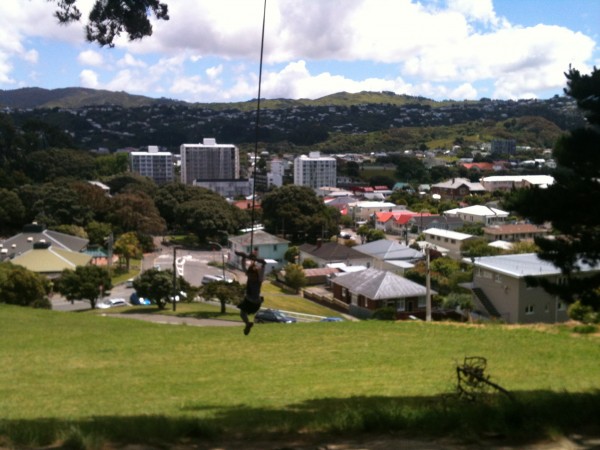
<point>153,164</point>
<point>315,170</point>
<point>209,161</point>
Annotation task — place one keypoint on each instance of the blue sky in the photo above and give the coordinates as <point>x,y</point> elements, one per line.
<point>209,50</point>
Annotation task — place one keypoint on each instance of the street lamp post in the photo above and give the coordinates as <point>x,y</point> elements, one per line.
<point>175,277</point>
<point>216,244</point>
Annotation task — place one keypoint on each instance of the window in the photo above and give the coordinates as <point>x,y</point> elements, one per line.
<point>529,309</point>
<point>497,278</point>
<point>560,306</point>
<point>401,306</point>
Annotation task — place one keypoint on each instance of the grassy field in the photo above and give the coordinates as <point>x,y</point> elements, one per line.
<point>85,379</point>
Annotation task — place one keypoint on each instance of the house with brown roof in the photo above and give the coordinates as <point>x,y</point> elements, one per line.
<point>514,232</point>
<point>457,188</point>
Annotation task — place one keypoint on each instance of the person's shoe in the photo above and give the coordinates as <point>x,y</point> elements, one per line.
<point>247,328</point>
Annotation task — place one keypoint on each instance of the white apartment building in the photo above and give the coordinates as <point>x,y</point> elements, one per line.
<point>209,161</point>
<point>153,164</point>
<point>314,170</point>
<point>275,175</point>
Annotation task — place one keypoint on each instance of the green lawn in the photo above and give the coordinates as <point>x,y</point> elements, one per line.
<point>91,379</point>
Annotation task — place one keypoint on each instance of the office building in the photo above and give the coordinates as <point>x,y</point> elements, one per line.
<point>153,164</point>
<point>209,161</point>
<point>314,170</point>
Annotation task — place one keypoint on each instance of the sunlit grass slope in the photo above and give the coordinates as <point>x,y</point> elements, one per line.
<point>61,370</point>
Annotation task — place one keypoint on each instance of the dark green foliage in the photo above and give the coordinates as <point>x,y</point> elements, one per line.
<point>294,276</point>
<point>299,214</point>
<point>85,283</point>
<point>225,292</point>
<point>569,203</point>
<point>12,211</point>
<point>157,285</point>
<point>478,247</point>
<point>48,165</point>
<point>19,286</point>
<point>109,18</point>
<point>387,313</point>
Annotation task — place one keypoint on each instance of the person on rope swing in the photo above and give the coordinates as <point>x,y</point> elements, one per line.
<point>255,273</point>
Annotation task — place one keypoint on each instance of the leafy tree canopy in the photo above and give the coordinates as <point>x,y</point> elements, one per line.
<point>296,211</point>
<point>85,283</point>
<point>109,18</point>
<point>19,286</point>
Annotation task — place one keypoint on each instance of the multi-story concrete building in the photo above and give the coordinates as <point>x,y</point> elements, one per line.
<point>314,170</point>
<point>209,161</point>
<point>153,164</point>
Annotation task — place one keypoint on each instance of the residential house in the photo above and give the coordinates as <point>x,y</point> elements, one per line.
<point>37,233</point>
<point>481,214</point>
<point>390,255</point>
<point>457,188</point>
<point>42,258</point>
<point>509,182</point>
<point>369,290</point>
<point>446,242</point>
<point>269,247</point>
<point>514,232</point>
<point>324,253</point>
<point>500,291</point>
<point>365,210</point>
<point>422,222</point>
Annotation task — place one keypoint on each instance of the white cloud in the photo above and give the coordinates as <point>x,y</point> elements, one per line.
<point>89,79</point>
<point>90,58</point>
<point>214,72</point>
<point>210,50</point>
<point>130,61</point>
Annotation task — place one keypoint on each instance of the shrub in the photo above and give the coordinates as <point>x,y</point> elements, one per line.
<point>583,313</point>
<point>388,313</point>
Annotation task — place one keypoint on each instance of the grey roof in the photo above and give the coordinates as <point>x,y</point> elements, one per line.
<point>260,238</point>
<point>378,284</point>
<point>522,265</point>
<point>455,183</point>
<point>385,249</point>
<point>331,251</point>
<point>31,234</point>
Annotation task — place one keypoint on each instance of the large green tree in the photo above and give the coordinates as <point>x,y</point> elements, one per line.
<point>223,291</point>
<point>297,212</point>
<point>128,246</point>
<point>19,286</point>
<point>570,203</point>
<point>109,18</point>
<point>85,283</point>
<point>157,285</point>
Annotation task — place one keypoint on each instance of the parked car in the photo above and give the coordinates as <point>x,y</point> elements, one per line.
<point>272,316</point>
<point>135,299</point>
<point>332,319</point>
<point>112,303</point>
<point>210,278</point>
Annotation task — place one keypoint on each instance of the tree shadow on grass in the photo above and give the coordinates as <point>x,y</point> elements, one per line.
<point>534,415</point>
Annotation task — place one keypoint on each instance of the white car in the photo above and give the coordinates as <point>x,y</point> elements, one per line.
<point>112,303</point>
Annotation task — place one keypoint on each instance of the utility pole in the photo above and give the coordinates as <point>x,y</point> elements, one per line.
<point>427,287</point>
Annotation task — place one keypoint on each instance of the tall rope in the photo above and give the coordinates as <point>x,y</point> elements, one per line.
<point>256,130</point>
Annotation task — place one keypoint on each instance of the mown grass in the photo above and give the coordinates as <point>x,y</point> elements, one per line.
<point>89,379</point>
